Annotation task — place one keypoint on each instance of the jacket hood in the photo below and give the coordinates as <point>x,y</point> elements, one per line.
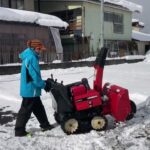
<point>26,53</point>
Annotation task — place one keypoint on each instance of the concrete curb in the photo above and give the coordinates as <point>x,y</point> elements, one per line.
<point>7,70</point>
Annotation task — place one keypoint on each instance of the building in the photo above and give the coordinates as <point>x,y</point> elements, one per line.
<point>83,35</point>
<point>137,25</point>
<point>18,4</point>
<point>18,26</point>
<point>140,40</point>
<point>84,32</point>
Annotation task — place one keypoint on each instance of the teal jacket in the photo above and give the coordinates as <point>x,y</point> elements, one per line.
<point>30,68</point>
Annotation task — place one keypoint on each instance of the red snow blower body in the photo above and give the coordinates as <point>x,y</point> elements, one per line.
<point>80,108</point>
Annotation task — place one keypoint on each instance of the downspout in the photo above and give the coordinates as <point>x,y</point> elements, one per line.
<point>39,5</point>
<point>102,25</point>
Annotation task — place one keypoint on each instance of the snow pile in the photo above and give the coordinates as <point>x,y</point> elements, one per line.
<point>56,61</point>
<point>147,57</point>
<point>140,36</point>
<point>132,57</point>
<point>124,3</point>
<point>128,57</point>
<point>8,14</point>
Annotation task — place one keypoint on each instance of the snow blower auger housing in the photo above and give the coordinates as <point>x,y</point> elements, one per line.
<point>78,108</point>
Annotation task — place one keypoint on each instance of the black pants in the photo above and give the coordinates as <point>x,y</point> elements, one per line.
<point>28,106</point>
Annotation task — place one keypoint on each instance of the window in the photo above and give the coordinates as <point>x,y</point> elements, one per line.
<point>13,4</point>
<point>118,28</point>
<point>116,19</point>
<point>118,23</point>
<point>19,4</point>
<point>4,3</point>
<point>113,17</point>
<point>113,48</point>
<point>74,19</point>
<point>108,16</point>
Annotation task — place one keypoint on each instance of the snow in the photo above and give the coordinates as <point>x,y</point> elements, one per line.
<point>131,135</point>
<point>132,57</point>
<point>147,59</point>
<point>128,57</point>
<point>124,3</point>
<point>140,36</point>
<point>8,14</point>
<point>137,20</point>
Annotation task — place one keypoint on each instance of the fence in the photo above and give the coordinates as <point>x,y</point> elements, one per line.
<point>4,70</point>
<point>13,38</point>
<point>11,57</point>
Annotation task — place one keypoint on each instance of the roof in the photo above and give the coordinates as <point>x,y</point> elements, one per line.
<point>8,14</point>
<point>123,3</point>
<point>140,36</point>
<point>139,22</point>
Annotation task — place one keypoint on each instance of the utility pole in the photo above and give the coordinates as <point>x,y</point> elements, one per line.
<point>102,24</point>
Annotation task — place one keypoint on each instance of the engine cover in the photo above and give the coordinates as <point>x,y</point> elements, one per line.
<point>85,99</point>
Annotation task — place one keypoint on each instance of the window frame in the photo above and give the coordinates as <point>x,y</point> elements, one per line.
<point>117,19</point>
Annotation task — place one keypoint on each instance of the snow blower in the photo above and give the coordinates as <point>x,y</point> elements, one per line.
<point>79,108</point>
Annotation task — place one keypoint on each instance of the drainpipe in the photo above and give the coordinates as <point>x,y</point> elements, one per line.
<point>102,25</point>
<point>9,3</point>
<point>39,6</point>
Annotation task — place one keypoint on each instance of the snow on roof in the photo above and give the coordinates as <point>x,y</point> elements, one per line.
<point>8,14</point>
<point>140,36</point>
<point>141,23</point>
<point>137,20</point>
<point>124,3</point>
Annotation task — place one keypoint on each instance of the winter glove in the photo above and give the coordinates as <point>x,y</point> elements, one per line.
<point>48,85</point>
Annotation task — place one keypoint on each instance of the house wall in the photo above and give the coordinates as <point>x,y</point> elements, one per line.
<point>108,27</point>
<point>13,38</point>
<point>29,5</point>
<point>92,24</point>
<point>141,47</point>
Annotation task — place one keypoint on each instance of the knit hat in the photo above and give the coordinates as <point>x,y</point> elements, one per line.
<point>36,44</point>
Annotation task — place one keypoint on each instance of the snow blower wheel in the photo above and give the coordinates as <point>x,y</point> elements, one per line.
<point>133,110</point>
<point>70,126</point>
<point>99,123</point>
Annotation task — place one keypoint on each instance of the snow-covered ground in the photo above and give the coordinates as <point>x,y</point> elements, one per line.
<point>131,135</point>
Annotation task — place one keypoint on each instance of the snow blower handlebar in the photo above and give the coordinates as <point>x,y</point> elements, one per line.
<point>59,92</point>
